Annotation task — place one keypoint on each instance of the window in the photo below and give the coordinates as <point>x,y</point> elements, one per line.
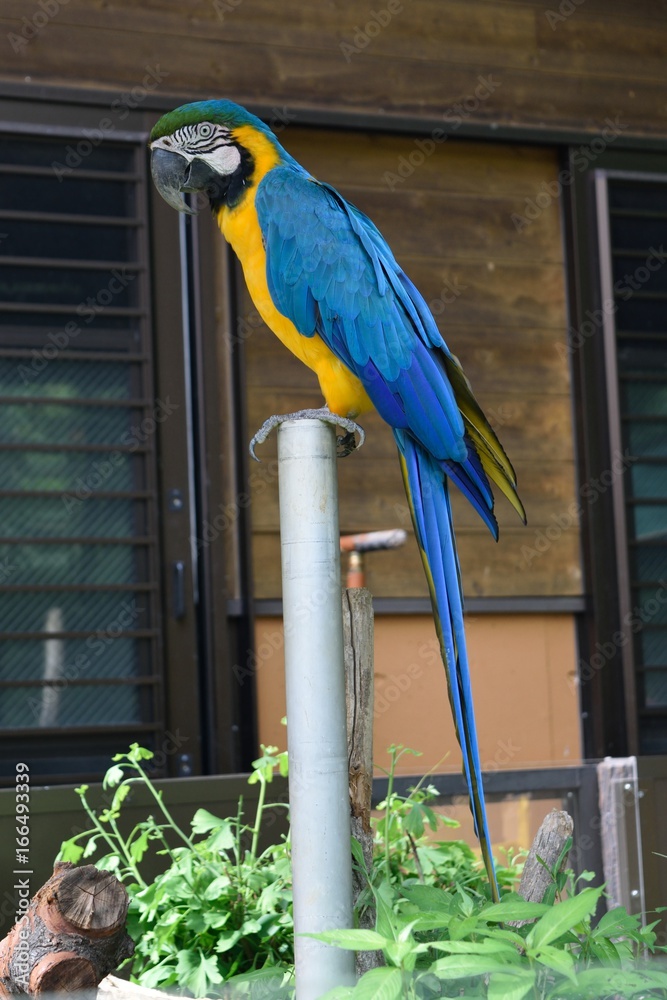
<point>622,358</point>
<point>106,604</point>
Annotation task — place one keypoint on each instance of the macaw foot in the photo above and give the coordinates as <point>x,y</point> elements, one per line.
<point>346,442</point>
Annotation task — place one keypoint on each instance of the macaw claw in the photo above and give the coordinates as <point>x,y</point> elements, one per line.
<point>346,442</point>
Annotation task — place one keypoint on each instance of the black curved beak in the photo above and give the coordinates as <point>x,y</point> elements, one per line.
<point>171,175</point>
<point>174,176</point>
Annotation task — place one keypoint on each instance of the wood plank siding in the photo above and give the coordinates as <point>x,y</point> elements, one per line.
<point>499,299</point>
<point>545,67</point>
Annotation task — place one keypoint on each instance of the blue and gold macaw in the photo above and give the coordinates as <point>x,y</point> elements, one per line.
<point>325,281</point>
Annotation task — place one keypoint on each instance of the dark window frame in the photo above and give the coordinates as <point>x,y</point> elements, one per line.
<point>608,685</point>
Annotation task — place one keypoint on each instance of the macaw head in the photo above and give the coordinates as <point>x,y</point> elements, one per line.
<point>212,147</point>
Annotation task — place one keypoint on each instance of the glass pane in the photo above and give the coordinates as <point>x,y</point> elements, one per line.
<point>636,233</point>
<point>73,611</point>
<point>653,605</point>
<point>647,480</point>
<point>647,438</point>
<point>76,473</point>
<point>642,315</point>
<point>67,240</point>
<point>71,515</point>
<point>69,705</point>
<point>51,423</point>
<point>653,645</point>
<point>87,290</point>
<point>68,380</point>
<point>644,273</point>
<point>653,735</point>
<point>67,196</point>
<point>642,195</point>
<point>649,562</point>
<point>644,398</point>
<point>655,688</point>
<point>71,563</point>
<point>649,522</point>
<point>46,152</point>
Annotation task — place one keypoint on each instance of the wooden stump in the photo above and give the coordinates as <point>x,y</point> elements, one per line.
<point>71,936</point>
<point>358,645</point>
<point>548,845</point>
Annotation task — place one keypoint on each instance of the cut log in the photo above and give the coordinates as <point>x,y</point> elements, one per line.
<point>358,645</point>
<point>548,845</point>
<point>71,935</point>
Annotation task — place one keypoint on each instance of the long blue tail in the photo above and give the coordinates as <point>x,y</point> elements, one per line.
<point>428,496</point>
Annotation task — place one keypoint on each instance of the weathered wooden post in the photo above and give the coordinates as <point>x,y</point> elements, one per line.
<point>358,643</point>
<point>316,716</point>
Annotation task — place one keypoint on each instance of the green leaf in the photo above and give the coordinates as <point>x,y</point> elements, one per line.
<point>358,854</point>
<point>197,971</point>
<point>156,976</point>
<point>113,776</point>
<point>70,851</point>
<point>379,984</point>
<point>139,846</point>
<point>563,917</point>
<point>427,897</point>
<point>89,849</point>
<point>513,908</point>
<point>556,959</point>
<point>459,929</point>
<point>227,941</point>
<point>617,922</point>
<point>511,986</point>
<point>353,940</point>
<point>487,946</point>
<point>596,983</point>
<point>120,795</point>
<point>464,966</point>
<point>203,821</point>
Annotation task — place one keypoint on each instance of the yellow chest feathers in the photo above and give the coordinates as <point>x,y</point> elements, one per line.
<point>342,390</point>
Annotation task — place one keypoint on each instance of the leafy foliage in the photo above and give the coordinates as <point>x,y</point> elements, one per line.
<point>406,844</point>
<point>218,921</point>
<point>220,910</point>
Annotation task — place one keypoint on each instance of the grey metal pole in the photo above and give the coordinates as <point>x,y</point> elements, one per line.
<point>316,713</point>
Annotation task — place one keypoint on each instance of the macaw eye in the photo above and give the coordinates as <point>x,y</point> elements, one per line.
<point>205,131</point>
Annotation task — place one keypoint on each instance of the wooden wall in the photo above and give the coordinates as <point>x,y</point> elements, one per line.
<point>605,58</point>
<point>500,302</point>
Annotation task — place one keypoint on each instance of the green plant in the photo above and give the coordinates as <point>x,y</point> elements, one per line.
<point>405,850</point>
<point>220,910</point>
<point>445,944</point>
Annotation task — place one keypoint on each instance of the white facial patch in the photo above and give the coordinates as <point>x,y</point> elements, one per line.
<point>224,160</point>
<point>207,142</point>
